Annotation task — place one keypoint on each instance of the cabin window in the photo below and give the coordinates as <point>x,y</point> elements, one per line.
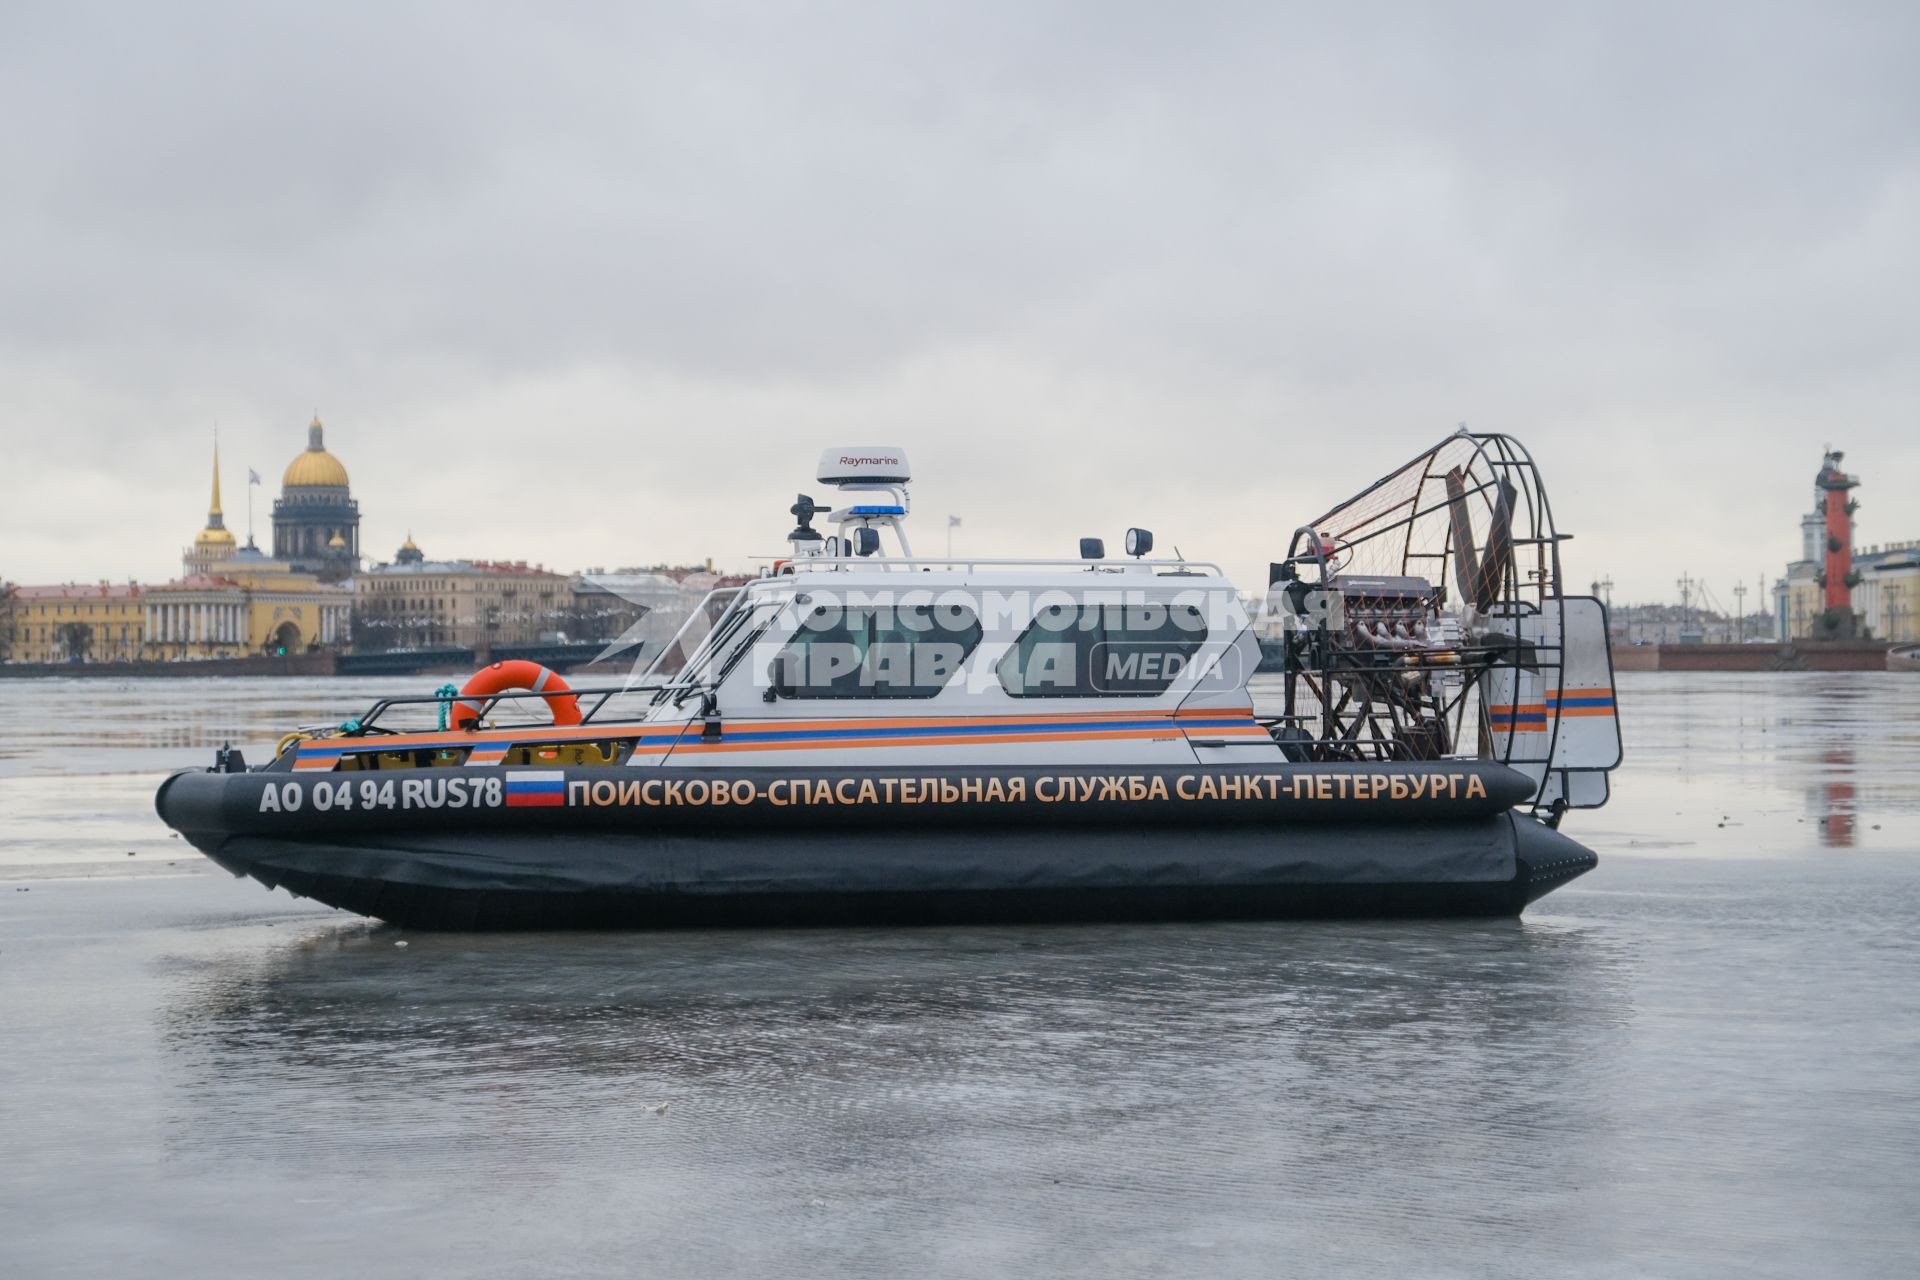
<point>908,651</point>
<point>1103,651</point>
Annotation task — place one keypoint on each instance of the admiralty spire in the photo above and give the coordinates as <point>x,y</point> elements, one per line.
<point>214,543</point>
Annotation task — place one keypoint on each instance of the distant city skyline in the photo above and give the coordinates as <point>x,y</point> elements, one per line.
<point>598,292</point>
<point>375,552</point>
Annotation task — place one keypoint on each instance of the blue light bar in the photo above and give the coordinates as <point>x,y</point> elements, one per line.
<point>876,511</point>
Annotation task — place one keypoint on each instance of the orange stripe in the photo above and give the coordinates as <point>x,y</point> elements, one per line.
<point>1090,735</point>
<point>663,729</point>
<point>504,737</point>
<point>949,722</point>
<point>1540,709</point>
<point>611,729</point>
<point>695,746</point>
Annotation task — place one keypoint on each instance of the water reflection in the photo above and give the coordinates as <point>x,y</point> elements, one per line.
<point>96,726</point>
<point>1834,800</point>
<point>208,1081</point>
<point>1774,765</point>
<point>1715,764</point>
<point>1331,1048</point>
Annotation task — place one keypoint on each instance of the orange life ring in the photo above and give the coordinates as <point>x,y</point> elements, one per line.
<point>517,674</point>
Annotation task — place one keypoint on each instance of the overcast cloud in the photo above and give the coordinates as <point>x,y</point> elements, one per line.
<point>593,284</point>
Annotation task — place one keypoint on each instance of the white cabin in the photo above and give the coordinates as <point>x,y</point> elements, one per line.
<point>854,650</point>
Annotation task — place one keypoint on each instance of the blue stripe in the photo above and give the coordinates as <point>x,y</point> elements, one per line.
<point>492,747</point>
<point>905,731</point>
<point>311,752</point>
<point>958,731</point>
<point>516,787</point>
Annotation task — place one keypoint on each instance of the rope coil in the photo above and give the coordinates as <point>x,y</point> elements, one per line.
<point>446,693</point>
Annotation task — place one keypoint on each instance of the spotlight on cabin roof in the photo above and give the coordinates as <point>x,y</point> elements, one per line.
<point>864,464</point>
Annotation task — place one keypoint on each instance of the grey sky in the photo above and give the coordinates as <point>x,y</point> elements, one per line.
<point>593,284</point>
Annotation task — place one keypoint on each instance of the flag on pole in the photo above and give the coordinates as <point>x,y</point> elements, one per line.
<point>953,522</point>
<point>253,478</point>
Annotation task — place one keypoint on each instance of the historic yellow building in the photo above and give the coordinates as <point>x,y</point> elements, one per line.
<point>233,600</point>
<point>104,622</point>
<point>1887,597</point>
<point>228,602</point>
<point>251,605</point>
<point>417,603</point>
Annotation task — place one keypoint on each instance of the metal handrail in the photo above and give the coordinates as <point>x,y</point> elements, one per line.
<point>971,564</point>
<point>365,725</point>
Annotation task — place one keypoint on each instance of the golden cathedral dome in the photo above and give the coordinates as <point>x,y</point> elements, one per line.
<point>337,542</point>
<point>316,467</point>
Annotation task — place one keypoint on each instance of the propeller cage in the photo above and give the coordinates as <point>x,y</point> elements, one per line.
<point>1405,609</point>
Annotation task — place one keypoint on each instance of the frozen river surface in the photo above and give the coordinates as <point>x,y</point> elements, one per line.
<point>1703,1059</point>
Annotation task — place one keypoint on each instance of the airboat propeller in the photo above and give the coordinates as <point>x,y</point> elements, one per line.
<point>1381,664</point>
<point>1481,575</point>
<point>1466,561</point>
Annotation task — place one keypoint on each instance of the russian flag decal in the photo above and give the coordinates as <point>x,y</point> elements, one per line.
<point>536,788</point>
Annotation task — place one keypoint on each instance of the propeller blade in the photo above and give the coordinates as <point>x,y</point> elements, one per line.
<point>1466,564</point>
<point>1497,561</point>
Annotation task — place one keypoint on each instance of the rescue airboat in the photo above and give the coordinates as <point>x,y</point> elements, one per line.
<point>864,734</point>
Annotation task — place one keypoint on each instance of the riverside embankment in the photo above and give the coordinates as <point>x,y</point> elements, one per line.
<point>1800,655</point>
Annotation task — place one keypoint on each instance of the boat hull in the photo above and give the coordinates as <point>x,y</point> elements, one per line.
<point>992,845</point>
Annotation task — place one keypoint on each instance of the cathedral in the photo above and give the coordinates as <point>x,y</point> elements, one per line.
<point>230,600</point>
<point>316,522</point>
